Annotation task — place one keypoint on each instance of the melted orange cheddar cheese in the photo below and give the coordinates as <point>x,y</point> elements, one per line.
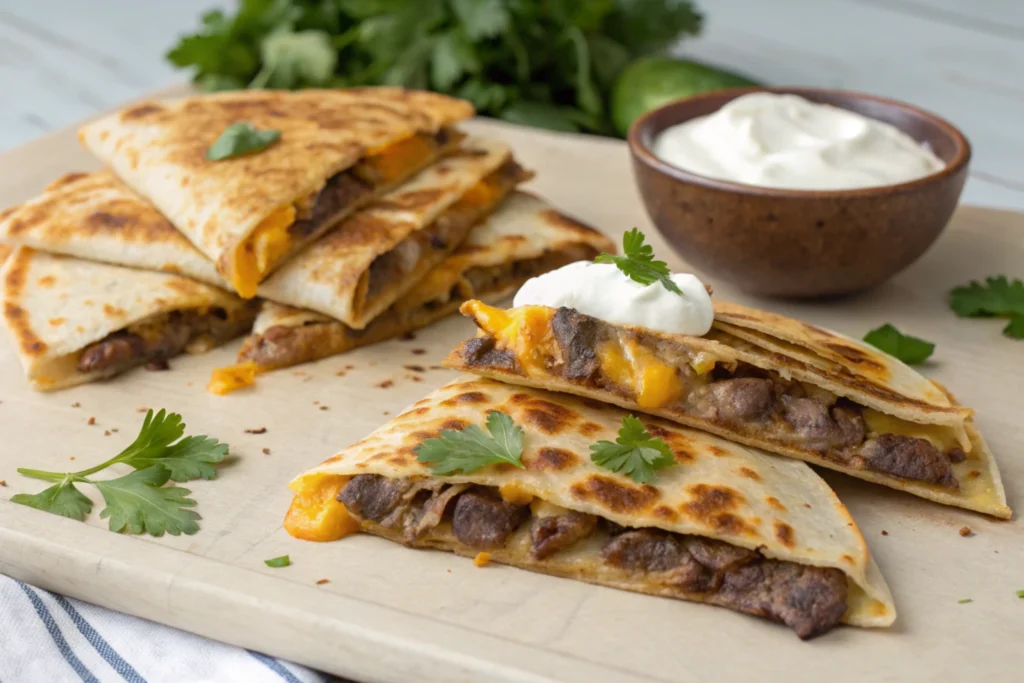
<point>482,559</point>
<point>513,492</point>
<point>256,257</point>
<point>315,513</point>
<point>387,165</point>
<point>526,331</point>
<point>653,382</point>
<point>232,378</point>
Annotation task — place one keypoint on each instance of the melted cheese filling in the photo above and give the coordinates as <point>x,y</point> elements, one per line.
<point>269,243</point>
<point>232,378</point>
<point>391,163</point>
<point>654,383</point>
<point>315,514</point>
<point>942,437</point>
<point>526,331</point>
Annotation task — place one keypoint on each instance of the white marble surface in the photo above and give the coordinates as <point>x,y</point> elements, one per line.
<point>62,60</point>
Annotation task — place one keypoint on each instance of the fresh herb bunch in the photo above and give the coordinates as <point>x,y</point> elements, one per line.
<point>138,502</point>
<point>544,63</point>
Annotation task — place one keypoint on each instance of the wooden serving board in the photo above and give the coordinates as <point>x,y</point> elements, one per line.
<point>393,614</point>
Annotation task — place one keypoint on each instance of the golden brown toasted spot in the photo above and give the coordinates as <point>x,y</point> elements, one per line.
<point>666,513</point>
<point>46,281</point>
<point>57,322</point>
<point>104,219</point>
<point>614,495</point>
<point>17,320</point>
<point>709,500</point>
<point>454,424</point>
<point>847,559</point>
<point>552,459</point>
<point>333,458</point>
<point>589,429</point>
<point>973,474</point>
<point>675,441</point>
<point>728,523</point>
<point>113,311</point>
<point>423,435</point>
<point>548,417</point>
<point>467,397</point>
<point>141,111</point>
<point>775,503</point>
<point>398,459</point>
<point>856,356</point>
<point>560,220</point>
<point>785,534</point>
<point>519,399</point>
<point>14,282</point>
<point>749,473</point>
<point>410,201</point>
<point>717,451</point>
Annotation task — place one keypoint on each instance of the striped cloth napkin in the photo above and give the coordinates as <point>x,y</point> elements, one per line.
<point>48,638</point>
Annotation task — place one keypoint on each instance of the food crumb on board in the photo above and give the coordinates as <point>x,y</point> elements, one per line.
<point>438,367</point>
<point>415,368</point>
<point>258,430</point>
<point>189,384</point>
<point>76,404</point>
<point>142,409</point>
<point>415,378</point>
<point>3,482</point>
<point>884,532</point>
<point>71,458</point>
<point>325,407</point>
<point>481,559</point>
<point>340,373</point>
<point>266,451</point>
<point>419,352</point>
<point>322,582</point>
<point>387,412</point>
<point>350,367</point>
<point>316,403</point>
<point>386,384</point>
<point>92,421</point>
<point>106,432</point>
<point>966,531</point>
<point>115,430</point>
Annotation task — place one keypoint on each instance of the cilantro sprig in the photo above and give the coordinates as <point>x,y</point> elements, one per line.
<point>138,502</point>
<point>998,296</point>
<point>638,264</point>
<point>241,138</point>
<point>635,453</point>
<point>471,448</point>
<point>910,350</point>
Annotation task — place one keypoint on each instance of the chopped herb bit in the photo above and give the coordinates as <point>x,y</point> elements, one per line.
<point>471,448</point>
<point>635,453</point>
<point>1020,593</point>
<point>639,265</point>
<point>241,138</point>
<point>277,562</point>
<point>138,502</point>
<point>964,601</point>
<point>910,350</point>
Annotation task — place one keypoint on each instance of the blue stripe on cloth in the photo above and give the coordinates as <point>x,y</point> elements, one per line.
<point>58,637</point>
<point>275,666</point>
<point>108,653</point>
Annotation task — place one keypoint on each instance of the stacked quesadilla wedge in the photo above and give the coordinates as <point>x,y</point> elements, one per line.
<point>758,379</point>
<point>522,238</point>
<point>725,525</point>
<point>75,321</point>
<point>251,211</point>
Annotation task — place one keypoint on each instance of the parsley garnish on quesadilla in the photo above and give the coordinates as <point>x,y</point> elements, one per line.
<point>635,453</point>
<point>910,350</point>
<point>138,502</point>
<point>470,449</point>
<point>241,138</point>
<point>997,297</point>
<point>638,263</point>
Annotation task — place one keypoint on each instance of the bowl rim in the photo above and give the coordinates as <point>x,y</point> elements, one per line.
<point>960,159</point>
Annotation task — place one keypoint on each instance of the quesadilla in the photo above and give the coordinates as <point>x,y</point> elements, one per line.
<point>759,379</point>
<point>249,213</point>
<point>76,321</point>
<point>381,252</point>
<point>95,216</point>
<point>726,525</point>
<point>523,238</point>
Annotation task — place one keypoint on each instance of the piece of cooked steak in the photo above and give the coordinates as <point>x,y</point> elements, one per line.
<point>548,535</point>
<point>482,519</point>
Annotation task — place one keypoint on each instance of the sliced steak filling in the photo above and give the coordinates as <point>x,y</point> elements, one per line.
<point>154,341</point>
<point>744,399</point>
<point>546,537</point>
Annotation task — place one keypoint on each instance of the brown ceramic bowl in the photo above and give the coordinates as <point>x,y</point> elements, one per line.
<point>796,243</point>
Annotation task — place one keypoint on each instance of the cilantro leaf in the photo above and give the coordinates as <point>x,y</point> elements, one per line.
<point>241,138</point>
<point>471,448</point>
<point>639,265</point>
<point>277,562</point>
<point>964,601</point>
<point>1020,593</point>
<point>910,350</point>
<point>140,503</point>
<point>191,458</point>
<point>635,453</point>
<point>997,297</point>
<point>61,499</point>
<point>1015,329</point>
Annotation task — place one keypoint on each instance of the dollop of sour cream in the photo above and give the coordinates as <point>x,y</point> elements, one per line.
<point>785,141</point>
<point>602,291</point>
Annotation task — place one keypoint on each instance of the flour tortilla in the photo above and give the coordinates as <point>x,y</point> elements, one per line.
<point>95,216</point>
<point>916,402</point>
<point>718,489</point>
<point>159,150</point>
<point>55,306</point>
<point>523,238</point>
<point>330,276</point>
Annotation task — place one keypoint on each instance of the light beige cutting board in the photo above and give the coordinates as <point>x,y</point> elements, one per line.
<point>393,614</point>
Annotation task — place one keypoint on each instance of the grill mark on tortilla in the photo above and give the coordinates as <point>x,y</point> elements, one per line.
<point>615,495</point>
<point>552,459</point>
<point>785,534</point>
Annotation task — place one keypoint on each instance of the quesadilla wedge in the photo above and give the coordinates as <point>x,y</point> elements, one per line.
<point>94,216</point>
<point>250,212</point>
<point>725,525</point>
<point>381,252</point>
<point>523,238</point>
<point>76,321</point>
<point>758,379</point>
